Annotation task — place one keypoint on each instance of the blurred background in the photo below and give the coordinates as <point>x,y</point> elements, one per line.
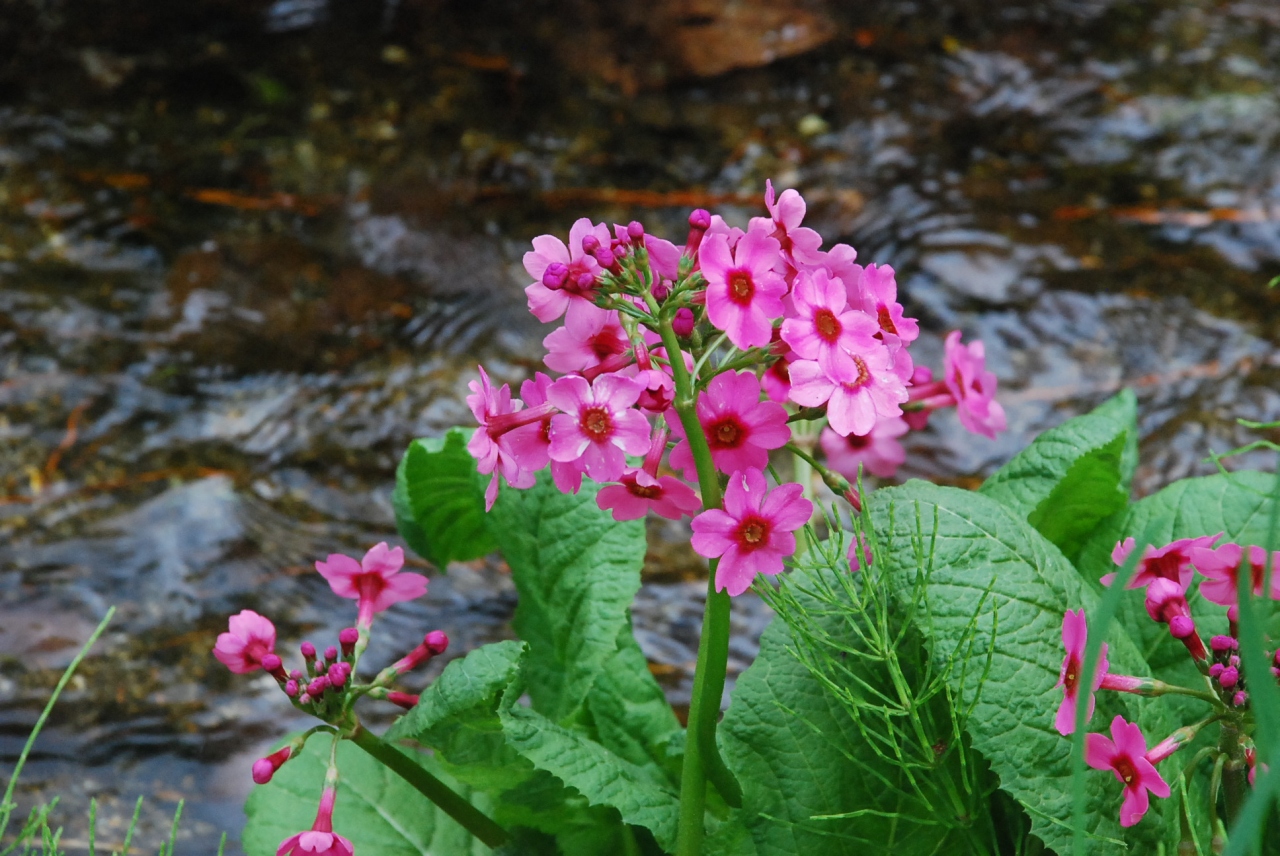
<point>249,249</point>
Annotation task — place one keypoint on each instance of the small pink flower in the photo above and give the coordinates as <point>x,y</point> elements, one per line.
<point>740,428</point>
<point>753,534</point>
<point>1075,633</point>
<point>596,425</point>
<point>250,638</point>
<point>974,388</point>
<point>577,293</point>
<point>1124,754</point>
<point>744,289</point>
<point>643,490</point>
<point>879,452</point>
<point>375,582</point>
<point>878,297</point>
<point>664,257</point>
<point>800,245</point>
<point>490,445</point>
<point>855,401</point>
<point>531,444</point>
<point>1220,567</point>
<point>320,840</point>
<point>585,341</point>
<point>1170,562</point>
<point>823,327</point>
<point>1166,603</point>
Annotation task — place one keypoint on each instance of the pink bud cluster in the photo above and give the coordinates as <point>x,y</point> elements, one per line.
<point>809,328</point>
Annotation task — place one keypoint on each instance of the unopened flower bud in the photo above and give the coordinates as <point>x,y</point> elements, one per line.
<point>291,689</point>
<point>316,688</point>
<point>682,323</point>
<point>1216,669</point>
<point>436,641</point>
<point>1229,677</point>
<point>1240,699</point>
<point>433,643</point>
<point>590,244</point>
<point>635,230</point>
<point>1222,644</point>
<point>1233,660</point>
<point>265,768</point>
<point>308,651</point>
<point>274,666</point>
<point>555,276</point>
<point>296,675</point>
<point>1181,626</point>
<point>405,700</point>
<point>331,654</point>
<point>348,639</point>
<point>585,281</point>
<point>337,675</point>
<point>660,291</point>
<point>700,218</point>
<point>699,223</point>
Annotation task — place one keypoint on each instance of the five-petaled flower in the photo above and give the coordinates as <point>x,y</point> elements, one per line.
<point>744,288</point>
<point>375,582</point>
<point>250,637</point>
<point>1125,755</point>
<point>1075,633</point>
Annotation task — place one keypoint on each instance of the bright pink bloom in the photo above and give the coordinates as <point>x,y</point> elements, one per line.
<point>974,388</point>
<point>577,294</point>
<point>1220,568</point>
<point>879,452</point>
<point>823,327</point>
<point>1125,755</point>
<point>1166,603</point>
<point>800,245</point>
<point>490,445</point>
<point>664,257</point>
<point>878,297</point>
<point>585,341</point>
<point>744,289</point>
<point>1075,633</point>
<point>1170,562</point>
<point>753,534</point>
<point>643,490</point>
<point>250,638</point>
<point>855,401</point>
<point>530,445</point>
<point>375,582</point>
<point>597,425</point>
<point>740,428</point>
<point>841,262</point>
<point>320,840</point>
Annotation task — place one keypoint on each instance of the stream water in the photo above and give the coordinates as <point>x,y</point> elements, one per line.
<point>248,250</point>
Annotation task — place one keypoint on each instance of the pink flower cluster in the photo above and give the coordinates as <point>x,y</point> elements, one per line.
<point>767,323</point>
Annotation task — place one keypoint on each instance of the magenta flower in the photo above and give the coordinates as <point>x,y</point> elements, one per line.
<point>250,638</point>
<point>823,327</point>
<point>1075,633</point>
<point>1170,562</point>
<point>744,289</point>
<point>1125,755</point>
<point>974,388</point>
<point>740,428</point>
<point>642,490</point>
<point>375,582</point>
<point>879,452</point>
<point>320,840</point>
<point>1221,566</point>
<point>490,445</point>
<point>597,425</point>
<point>530,445</point>
<point>753,534</point>
<point>800,245</point>
<point>1166,603</point>
<point>878,297</point>
<point>585,341</point>
<point>855,401</point>
<point>572,284</point>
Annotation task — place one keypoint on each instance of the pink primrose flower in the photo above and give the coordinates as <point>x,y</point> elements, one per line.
<point>1125,755</point>
<point>753,534</point>
<point>596,427</point>
<point>800,245</point>
<point>855,401</point>
<point>740,428</point>
<point>490,445</point>
<point>250,637</point>
<point>576,293</point>
<point>643,490</point>
<point>531,444</point>
<point>823,327</point>
<point>664,258</point>
<point>841,262</point>
<point>744,289</point>
<point>878,293</point>
<point>585,341</point>
<point>1170,562</point>
<point>1075,633</point>
<point>974,388</point>
<point>879,452</point>
<point>375,582</point>
<point>320,840</point>
<point>1220,568</point>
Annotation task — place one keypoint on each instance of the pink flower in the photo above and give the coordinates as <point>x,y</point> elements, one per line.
<point>878,297</point>
<point>855,401</point>
<point>776,380</point>
<point>752,535</point>
<point>1075,633</point>
<point>744,289</point>
<point>823,327</point>
<point>664,257</point>
<point>575,292</point>
<point>800,245</point>
<point>320,840</point>
<point>1124,754</point>
<point>250,638</point>
<point>643,490</point>
<point>740,428</point>
<point>1220,568</point>
<point>974,388</point>
<point>596,425</point>
<point>490,445</point>
<point>585,341</point>
<point>531,444</point>
<point>375,582</point>
<point>1170,562</point>
<point>879,452</point>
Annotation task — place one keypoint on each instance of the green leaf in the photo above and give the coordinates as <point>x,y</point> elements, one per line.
<point>439,500</point>
<point>576,571</point>
<point>376,809</point>
<point>978,549</point>
<point>1073,476</point>
<point>631,714</point>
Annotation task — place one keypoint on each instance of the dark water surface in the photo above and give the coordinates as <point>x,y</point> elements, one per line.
<point>249,250</point>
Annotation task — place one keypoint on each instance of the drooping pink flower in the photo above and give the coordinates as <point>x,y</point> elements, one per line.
<point>753,534</point>
<point>574,290</point>
<point>1125,755</point>
<point>490,445</point>
<point>879,452</point>
<point>974,388</point>
<point>250,637</point>
<point>744,289</point>
<point>855,401</point>
<point>375,582</point>
<point>320,840</point>
<point>1170,562</point>
<point>1166,603</point>
<point>585,341</point>
<point>740,428</point>
<point>1075,634</point>
<point>1220,568</point>
<point>823,327</point>
<point>642,490</point>
<point>878,297</point>
<point>596,427</point>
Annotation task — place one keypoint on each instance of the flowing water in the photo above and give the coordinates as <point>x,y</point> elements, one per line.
<point>249,250</point>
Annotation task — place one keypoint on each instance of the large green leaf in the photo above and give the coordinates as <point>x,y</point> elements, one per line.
<point>576,571</point>
<point>1073,476</point>
<point>439,500</point>
<point>631,714</point>
<point>985,560</point>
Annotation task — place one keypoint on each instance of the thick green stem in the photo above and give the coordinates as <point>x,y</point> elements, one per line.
<point>1235,771</point>
<point>468,816</point>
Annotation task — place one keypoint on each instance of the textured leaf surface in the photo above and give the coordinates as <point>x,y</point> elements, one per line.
<point>631,714</point>
<point>439,500</point>
<point>1073,476</point>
